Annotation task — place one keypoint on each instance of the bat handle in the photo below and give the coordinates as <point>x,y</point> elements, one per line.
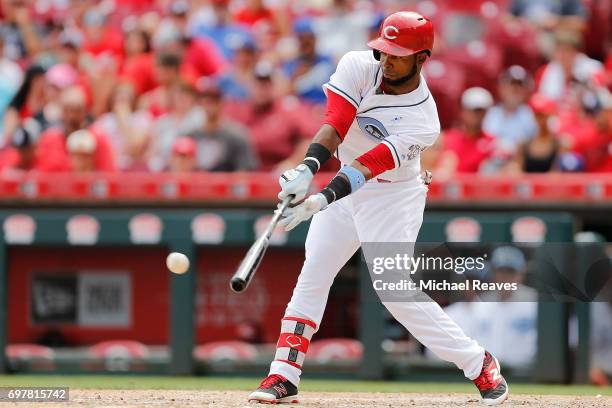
<point>285,203</point>
<point>251,261</point>
<point>277,214</point>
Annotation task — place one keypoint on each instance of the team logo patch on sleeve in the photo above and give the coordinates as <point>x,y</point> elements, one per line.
<point>372,127</point>
<point>413,152</point>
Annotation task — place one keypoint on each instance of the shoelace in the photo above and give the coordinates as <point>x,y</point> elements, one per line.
<point>270,380</point>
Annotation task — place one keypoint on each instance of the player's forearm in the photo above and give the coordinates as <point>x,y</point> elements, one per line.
<point>339,116</point>
<point>328,137</point>
<point>325,142</point>
<point>351,178</point>
<point>363,169</point>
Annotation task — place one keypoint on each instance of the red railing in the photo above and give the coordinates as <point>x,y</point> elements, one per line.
<point>263,187</point>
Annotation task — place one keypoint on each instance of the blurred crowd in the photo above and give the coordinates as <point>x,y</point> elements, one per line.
<point>236,85</point>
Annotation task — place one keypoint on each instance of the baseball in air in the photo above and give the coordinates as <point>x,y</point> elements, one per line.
<point>177,263</point>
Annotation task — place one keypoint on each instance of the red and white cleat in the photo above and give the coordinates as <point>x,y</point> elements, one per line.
<point>275,389</point>
<point>491,384</point>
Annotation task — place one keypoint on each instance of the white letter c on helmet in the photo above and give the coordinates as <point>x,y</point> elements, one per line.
<point>388,30</point>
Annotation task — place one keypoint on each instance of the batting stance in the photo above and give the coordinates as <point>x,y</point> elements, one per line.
<point>380,116</point>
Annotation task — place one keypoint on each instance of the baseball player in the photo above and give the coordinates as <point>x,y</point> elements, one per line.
<point>380,116</point>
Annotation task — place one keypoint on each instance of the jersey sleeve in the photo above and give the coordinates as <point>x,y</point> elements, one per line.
<point>349,80</point>
<point>339,114</point>
<point>396,150</point>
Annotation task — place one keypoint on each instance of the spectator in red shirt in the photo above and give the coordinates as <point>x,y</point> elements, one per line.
<point>604,124</point>
<point>199,56</point>
<point>602,154</point>
<point>587,132</point>
<point>253,12</point>
<point>578,129</point>
<point>138,63</point>
<point>608,68</point>
<point>167,76</point>
<point>81,146</point>
<point>21,152</point>
<point>100,37</point>
<point>277,126</point>
<point>467,147</point>
<point>100,58</point>
<point>183,159</point>
<point>74,117</point>
<point>131,7</point>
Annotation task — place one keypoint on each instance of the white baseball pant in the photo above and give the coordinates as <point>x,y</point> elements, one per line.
<point>378,212</point>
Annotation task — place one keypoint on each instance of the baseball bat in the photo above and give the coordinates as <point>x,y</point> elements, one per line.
<point>252,259</point>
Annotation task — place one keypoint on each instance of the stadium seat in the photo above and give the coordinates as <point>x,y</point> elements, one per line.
<point>225,351</point>
<point>119,355</point>
<point>34,356</point>
<point>598,27</point>
<point>517,40</point>
<point>323,351</point>
<point>446,81</point>
<point>481,60</point>
<point>113,348</point>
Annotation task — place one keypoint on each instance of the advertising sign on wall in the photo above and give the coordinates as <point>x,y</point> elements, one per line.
<point>104,299</point>
<point>87,299</point>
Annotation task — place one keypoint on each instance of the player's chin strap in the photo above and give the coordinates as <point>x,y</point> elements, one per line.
<point>347,181</point>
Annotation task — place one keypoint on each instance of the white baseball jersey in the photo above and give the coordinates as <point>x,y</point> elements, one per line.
<point>406,123</point>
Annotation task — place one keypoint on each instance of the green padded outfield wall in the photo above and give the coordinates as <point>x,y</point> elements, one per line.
<point>185,230</point>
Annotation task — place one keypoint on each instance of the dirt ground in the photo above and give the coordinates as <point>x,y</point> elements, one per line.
<point>237,399</point>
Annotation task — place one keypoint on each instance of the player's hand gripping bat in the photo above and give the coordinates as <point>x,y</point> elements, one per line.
<point>251,261</point>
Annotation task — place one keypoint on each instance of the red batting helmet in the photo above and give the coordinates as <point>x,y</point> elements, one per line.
<point>404,33</point>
